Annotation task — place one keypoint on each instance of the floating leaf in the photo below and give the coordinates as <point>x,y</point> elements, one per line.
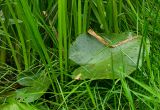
<point>35,84</point>
<point>101,62</point>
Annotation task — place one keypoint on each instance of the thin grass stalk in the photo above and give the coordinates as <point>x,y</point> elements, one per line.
<point>35,35</point>
<point>2,38</point>
<point>91,95</point>
<point>119,14</point>
<point>62,94</point>
<point>120,6</point>
<point>137,21</point>
<point>71,92</point>
<point>132,7</point>
<point>30,28</point>
<point>65,37</point>
<point>127,93</point>
<point>147,100</point>
<point>95,97</point>
<point>151,90</point>
<point>79,17</point>
<point>119,100</point>
<point>3,51</point>
<point>146,51</point>
<point>101,100</point>
<point>11,46</point>
<point>95,11</point>
<point>114,81</point>
<point>125,85</point>
<point>109,14</point>
<point>85,16</point>
<point>60,35</point>
<point>75,16</point>
<point>70,23</point>
<point>20,36</point>
<point>115,16</point>
<point>26,34</point>
<point>102,15</point>
<point>145,35</point>
<point>51,31</point>
<point>36,6</point>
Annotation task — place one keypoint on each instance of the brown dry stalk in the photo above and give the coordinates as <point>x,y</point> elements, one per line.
<point>123,42</point>
<point>99,38</point>
<point>103,41</point>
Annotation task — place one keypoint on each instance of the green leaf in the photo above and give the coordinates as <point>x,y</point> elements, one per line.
<point>36,86</point>
<point>100,62</point>
<point>17,106</point>
<point>11,21</point>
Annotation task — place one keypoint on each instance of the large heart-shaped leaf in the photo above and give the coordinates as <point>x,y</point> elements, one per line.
<point>101,62</point>
<point>36,85</point>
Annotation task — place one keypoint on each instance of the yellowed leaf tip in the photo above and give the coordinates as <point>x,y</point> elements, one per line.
<point>78,77</point>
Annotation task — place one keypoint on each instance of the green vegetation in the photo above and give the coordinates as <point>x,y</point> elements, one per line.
<point>114,61</point>
<point>35,69</point>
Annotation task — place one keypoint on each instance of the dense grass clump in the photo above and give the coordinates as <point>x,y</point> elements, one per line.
<point>35,69</point>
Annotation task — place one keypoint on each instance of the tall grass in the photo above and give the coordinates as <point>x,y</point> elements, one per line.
<point>36,35</point>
